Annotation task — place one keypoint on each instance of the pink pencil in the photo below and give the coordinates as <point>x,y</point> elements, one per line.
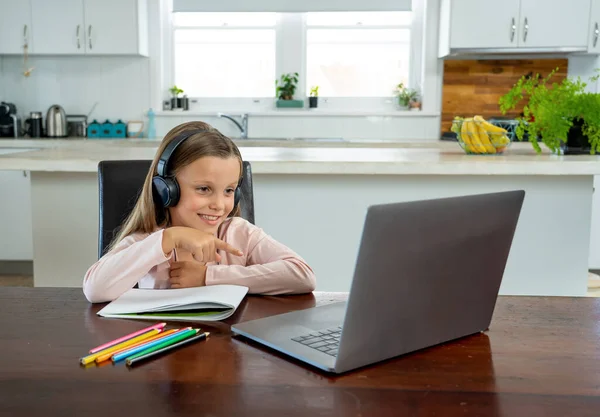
<point>129,336</point>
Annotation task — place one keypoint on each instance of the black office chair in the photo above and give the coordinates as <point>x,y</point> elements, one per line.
<point>120,183</point>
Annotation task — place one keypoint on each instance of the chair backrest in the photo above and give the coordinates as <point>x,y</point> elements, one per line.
<point>120,184</point>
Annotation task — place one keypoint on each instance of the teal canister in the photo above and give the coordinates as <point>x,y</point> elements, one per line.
<point>106,130</point>
<point>93,129</point>
<point>119,129</point>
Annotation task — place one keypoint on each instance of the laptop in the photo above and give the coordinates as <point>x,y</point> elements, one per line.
<point>427,272</point>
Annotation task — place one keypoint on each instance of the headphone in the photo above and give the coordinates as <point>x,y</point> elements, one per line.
<point>166,186</point>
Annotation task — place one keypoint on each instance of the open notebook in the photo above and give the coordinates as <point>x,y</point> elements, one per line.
<point>211,303</point>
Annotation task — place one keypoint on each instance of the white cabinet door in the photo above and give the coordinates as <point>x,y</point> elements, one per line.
<point>16,239</point>
<point>111,26</point>
<point>484,24</point>
<point>594,258</point>
<point>554,23</point>
<point>15,26</point>
<point>58,26</point>
<point>594,28</point>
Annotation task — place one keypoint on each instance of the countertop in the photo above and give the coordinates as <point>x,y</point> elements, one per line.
<point>273,156</point>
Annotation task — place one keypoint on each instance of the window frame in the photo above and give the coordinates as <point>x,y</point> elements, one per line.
<point>290,34</point>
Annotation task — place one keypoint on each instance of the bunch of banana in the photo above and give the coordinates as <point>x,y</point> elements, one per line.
<point>479,136</point>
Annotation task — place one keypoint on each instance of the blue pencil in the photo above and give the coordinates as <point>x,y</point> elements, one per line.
<point>133,351</point>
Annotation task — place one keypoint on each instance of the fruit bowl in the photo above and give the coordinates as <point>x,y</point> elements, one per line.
<point>477,136</point>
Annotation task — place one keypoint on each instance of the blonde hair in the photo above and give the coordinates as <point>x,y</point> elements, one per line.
<point>147,216</point>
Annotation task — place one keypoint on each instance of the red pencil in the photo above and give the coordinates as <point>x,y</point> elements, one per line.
<point>129,336</point>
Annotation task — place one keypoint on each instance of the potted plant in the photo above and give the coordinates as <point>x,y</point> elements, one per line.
<point>563,115</point>
<point>313,99</point>
<point>285,88</point>
<point>415,102</point>
<point>176,101</point>
<point>404,96</point>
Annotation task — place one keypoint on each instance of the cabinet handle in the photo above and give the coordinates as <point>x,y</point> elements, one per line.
<point>525,30</point>
<point>596,33</point>
<point>25,37</point>
<point>90,36</point>
<point>513,30</point>
<point>78,38</point>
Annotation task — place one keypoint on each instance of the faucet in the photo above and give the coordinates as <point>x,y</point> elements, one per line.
<point>243,127</point>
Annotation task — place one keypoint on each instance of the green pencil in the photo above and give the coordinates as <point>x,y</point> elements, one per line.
<point>183,335</point>
<point>164,347</point>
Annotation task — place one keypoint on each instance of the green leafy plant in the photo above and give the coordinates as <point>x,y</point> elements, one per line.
<point>285,87</point>
<point>314,91</point>
<point>175,91</point>
<point>556,111</point>
<point>405,95</point>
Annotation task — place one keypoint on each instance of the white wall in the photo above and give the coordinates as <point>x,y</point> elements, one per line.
<point>120,85</point>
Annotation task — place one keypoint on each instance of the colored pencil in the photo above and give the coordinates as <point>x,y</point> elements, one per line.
<point>185,335</point>
<point>129,336</point>
<point>133,350</point>
<point>91,358</point>
<point>160,335</point>
<point>136,359</point>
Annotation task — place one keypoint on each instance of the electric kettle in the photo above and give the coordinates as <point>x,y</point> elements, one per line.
<point>56,122</point>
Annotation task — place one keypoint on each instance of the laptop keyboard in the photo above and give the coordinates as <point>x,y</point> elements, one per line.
<point>326,341</point>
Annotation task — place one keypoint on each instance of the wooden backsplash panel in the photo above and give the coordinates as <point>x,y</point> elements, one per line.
<point>474,87</point>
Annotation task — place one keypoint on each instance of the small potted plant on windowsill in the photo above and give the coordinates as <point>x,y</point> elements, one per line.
<point>285,88</point>
<point>563,115</point>
<point>313,99</point>
<point>176,101</point>
<point>404,96</point>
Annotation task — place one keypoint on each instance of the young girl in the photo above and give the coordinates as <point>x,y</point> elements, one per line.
<point>183,231</point>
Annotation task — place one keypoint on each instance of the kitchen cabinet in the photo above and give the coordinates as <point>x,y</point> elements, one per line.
<point>594,28</point>
<point>117,27</point>
<point>513,26</point>
<point>90,27</point>
<point>554,24</point>
<point>15,26</point>
<point>58,27</point>
<point>16,233</point>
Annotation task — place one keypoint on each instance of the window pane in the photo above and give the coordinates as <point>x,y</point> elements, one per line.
<point>225,63</point>
<point>354,36</point>
<point>362,18</point>
<point>357,63</point>
<point>224,19</point>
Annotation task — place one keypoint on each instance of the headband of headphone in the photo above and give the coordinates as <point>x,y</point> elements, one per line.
<point>166,186</point>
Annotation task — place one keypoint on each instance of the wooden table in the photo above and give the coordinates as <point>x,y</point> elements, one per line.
<point>541,357</point>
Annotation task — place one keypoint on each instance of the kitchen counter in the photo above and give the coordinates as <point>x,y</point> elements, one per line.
<point>313,198</point>
<point>352,157</point>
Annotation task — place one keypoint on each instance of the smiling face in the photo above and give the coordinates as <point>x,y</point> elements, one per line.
<point>207,188</point>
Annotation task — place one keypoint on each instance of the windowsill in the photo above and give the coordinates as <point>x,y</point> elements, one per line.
<point>302,113</point>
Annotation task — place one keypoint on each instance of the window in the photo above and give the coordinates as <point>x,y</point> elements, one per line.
<point>224,54</point>
<point>357,54</point>
<point>231,60</point>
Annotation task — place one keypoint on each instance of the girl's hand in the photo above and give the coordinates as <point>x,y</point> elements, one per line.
<point>187,274</point>
<point>203,246</point>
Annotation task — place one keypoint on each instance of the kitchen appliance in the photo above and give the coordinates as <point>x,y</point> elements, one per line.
<point>10,123</point>
<point>56,122</point>
<point>33,125</point>
<point>77,125</point>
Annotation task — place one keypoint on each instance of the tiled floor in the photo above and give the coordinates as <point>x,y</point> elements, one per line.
<point>27,281</point>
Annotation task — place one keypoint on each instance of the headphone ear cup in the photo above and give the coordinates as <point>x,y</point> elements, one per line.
<point>237,196</point>
<point>167,189</point>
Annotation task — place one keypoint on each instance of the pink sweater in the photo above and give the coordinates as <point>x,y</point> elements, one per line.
<point>267,267</point>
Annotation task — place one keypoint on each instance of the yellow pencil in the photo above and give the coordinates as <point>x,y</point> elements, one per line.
<point>91,358</point>
<point>108,355</point>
